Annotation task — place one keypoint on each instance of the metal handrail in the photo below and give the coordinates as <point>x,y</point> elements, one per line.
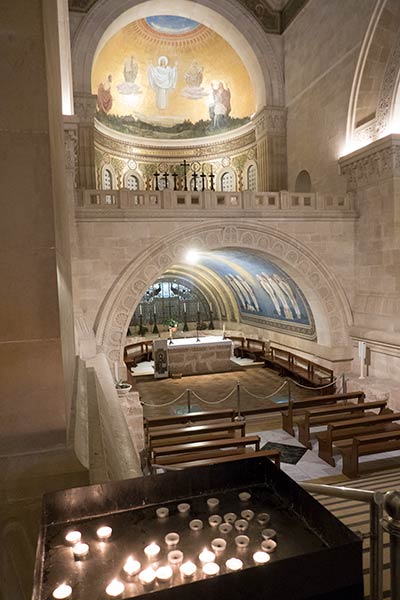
<point>376,503</point>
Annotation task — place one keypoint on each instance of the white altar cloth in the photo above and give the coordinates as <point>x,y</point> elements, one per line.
<point>212,354</point>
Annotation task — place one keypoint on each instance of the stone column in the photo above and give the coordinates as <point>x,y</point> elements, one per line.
<point>85,109</point>
<point>271,149</point>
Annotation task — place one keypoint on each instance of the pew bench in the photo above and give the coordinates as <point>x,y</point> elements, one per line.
<point>297,408</point>
<point>195,433</point>
<point>342,433</point>
<point>187,418</point>
<point>271,454</point>
<point>375,443</point>
<point>317,417</point>
<point>207,449</point>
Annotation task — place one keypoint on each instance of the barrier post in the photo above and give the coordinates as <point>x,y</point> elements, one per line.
<point>392,526</point>
<point>238,417</point>
<point>189,405</point>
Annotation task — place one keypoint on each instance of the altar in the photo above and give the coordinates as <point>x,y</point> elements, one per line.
<point>211,354</point>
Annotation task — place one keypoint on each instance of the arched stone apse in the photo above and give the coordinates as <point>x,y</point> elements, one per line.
<point>327,301</point>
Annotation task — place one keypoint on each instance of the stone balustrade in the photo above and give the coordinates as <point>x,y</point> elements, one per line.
<point>260,202</point>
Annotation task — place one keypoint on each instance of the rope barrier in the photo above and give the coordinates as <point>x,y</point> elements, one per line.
<point>217,401</point>
<point>310,387</point>
<point>165,404</point>
<point>268,395</point>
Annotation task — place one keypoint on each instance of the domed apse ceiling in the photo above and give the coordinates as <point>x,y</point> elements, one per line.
<point>266,296</point>
<point>170,77</point>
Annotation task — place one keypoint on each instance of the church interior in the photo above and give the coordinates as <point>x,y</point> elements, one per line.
<point>200,242</point>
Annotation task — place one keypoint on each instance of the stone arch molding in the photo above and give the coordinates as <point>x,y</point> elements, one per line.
<point>314,278</point>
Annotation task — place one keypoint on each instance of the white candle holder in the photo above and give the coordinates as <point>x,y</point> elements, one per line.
<point>218,544</point>
<point>225,528</point>
<point>268,546</point>
<point>115,588</point>
<point>172,539</point>
<point>206,556</point>
<point>263,519</point>
<point>234,564</point>
<point>80,551</point>
<point>188,569</point>
<point>104,533</point>
<point>212,503</point>
<point>261,558</point>
<point>244,496</point>
<point>162,512</point>
<point>164,573</point>
<point>62,592</point>
<point>230,517</point>
<point>152,551</point>
<point>131,566</point>
<point>73,537</point>
<point>183,508</point>
<point>214,520</point>
<point>247,514</point>
<point>210,569</point>
<point>196,524</point>
<point>242,541</point>
<point>268,534</point>
<point>241,525</point>
<point>147,577</point>
<point>175,557</point>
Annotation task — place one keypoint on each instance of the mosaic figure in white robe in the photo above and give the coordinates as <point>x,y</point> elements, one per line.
<point>238,291</point>
<point>250,292</point>
<point>281,296</point>
<point>285,287</point>
<point>269,290</point>
<point>162,79</point>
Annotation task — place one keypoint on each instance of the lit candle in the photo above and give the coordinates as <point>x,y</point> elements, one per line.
<point>214,520</point>
<point>184,307</point>
<point>212,503</point>
<point>210,307</point>
<point>80,550</point>
<point>210,569</point>
<point>261,558</point>
<point>175,557</point>
<point>206,556</point>
<point>147,576</point>
<point>196,524</point>
<point>164,573</point>
<point>104,533</point>
<point>73,537</point>
<point>188,569</point>
<point>218,545</point>
<point>198,307</point>
<point>62,591</point>
<point>268,546</point>
<point>154,309</point>
<point>115,588</point>
<point>152,550</point>
<point>234,564</point>
<point>140,309</point>
<point>162,512</point>
<point>132,566</point>
<point>172,539</point>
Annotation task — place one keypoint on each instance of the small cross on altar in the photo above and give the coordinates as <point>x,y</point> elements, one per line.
<point>175,176</point>
<point>157,175</point>
<point>212,177</point>
<point>165,176</point>
<point>185,165</point>
<point>195,176</point>
<point>203,178</point>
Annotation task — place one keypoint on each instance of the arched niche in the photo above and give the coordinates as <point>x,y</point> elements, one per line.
<point>303,182</point>
<point>251,42</point>
<point>319,285</point>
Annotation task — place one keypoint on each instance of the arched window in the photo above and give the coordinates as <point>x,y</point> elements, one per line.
<point>107,179</point>
<point>303,182</point>
<point>252,178</point>
<point>228,182</point>
<point>132,182</point>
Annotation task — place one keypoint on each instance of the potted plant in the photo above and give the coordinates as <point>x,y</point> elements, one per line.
<point>172,325</point>
<point>123,387</point>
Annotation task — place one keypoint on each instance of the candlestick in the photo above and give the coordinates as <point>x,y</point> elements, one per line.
<point>172,539</point>
<point>131,566</point>
<point>196,525</point>
<point>152,550</point>
<point>162,512</point>
<point>214,520</point>
<point>218,545</point>
<point>175,557</point>
<point>206,556</point>
<point>115,588</point>
<point>80,550</point>
<point>198,307</point>
<point>140,309</point>
<point>210,569</point>
<point>62,592</point>
<point>104,533</point>
<point>73,537</point>
<point>164,573</point>
<point>147,576</point>
<point>188,569</point>
<point>184,307</point>
<point>234,564</point>
<point>261,558</point>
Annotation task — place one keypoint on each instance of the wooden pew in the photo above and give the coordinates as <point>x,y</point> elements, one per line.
<point>297,366</point>
<point>194,417</point>
<point>197,450</point>
<point>138,352</point>
<point>365,445</point>
<point>254,349</point>
<point>271,454</point>
<point>195,433</point>
<point>315,417</point>
<point>342,433</point>
<point>298,407</point>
